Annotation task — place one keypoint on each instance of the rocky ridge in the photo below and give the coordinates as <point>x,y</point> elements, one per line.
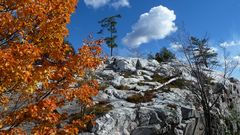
<point>149,98</point>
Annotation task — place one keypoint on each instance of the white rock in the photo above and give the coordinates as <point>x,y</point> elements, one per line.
<point>144,72</point>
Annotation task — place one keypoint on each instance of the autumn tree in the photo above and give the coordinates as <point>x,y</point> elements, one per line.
<point>38,78</point>
<point>72,50</point>
<point>109,24</point>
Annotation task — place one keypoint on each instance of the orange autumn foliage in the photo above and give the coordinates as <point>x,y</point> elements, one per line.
<point>38,75</point>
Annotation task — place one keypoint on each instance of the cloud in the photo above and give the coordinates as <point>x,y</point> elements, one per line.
<point>101,3</point>
<point>121,3</point>
<point>213,49</point>
<point>96,3</point>
<point>230,43</point>
<point>236,58</point>
<point>176,46</point>
<point>154,25</point>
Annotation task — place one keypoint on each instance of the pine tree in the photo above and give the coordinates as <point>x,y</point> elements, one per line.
<point>109,24</point>
<point>202,53</point>
<point>199,55</point>
<point>164,55</point>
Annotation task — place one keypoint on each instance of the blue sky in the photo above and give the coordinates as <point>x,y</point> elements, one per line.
<point>219,19</point>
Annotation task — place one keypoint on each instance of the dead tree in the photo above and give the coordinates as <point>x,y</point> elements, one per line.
<point>201,66</point>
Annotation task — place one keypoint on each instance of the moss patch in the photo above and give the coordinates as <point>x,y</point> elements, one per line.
<point>103,86</point>
<point>172,106</point>
<point>141,83</point>
<point>165,89</point>
<point>158,78</point>
<point>179,83</point>
<point>127,74</point>
<point>100,109</point>
<point>138,98</point>
<point>122,87</point>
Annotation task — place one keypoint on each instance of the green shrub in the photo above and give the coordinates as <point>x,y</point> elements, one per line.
<point>163,56</point>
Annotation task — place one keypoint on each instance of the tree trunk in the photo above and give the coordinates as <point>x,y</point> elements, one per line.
<point>208,124</point>
<point>111,51</point>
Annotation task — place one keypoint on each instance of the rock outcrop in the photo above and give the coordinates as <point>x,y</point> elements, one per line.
<point>144,102</point>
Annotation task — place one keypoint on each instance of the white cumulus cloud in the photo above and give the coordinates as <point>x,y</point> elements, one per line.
<point>176,46</point>
<point>96,3</point>
<point>121,3</point>
<point>154,25</point>
<point>230,43</point>
<point>236,58</point>
<point>101,3</point>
